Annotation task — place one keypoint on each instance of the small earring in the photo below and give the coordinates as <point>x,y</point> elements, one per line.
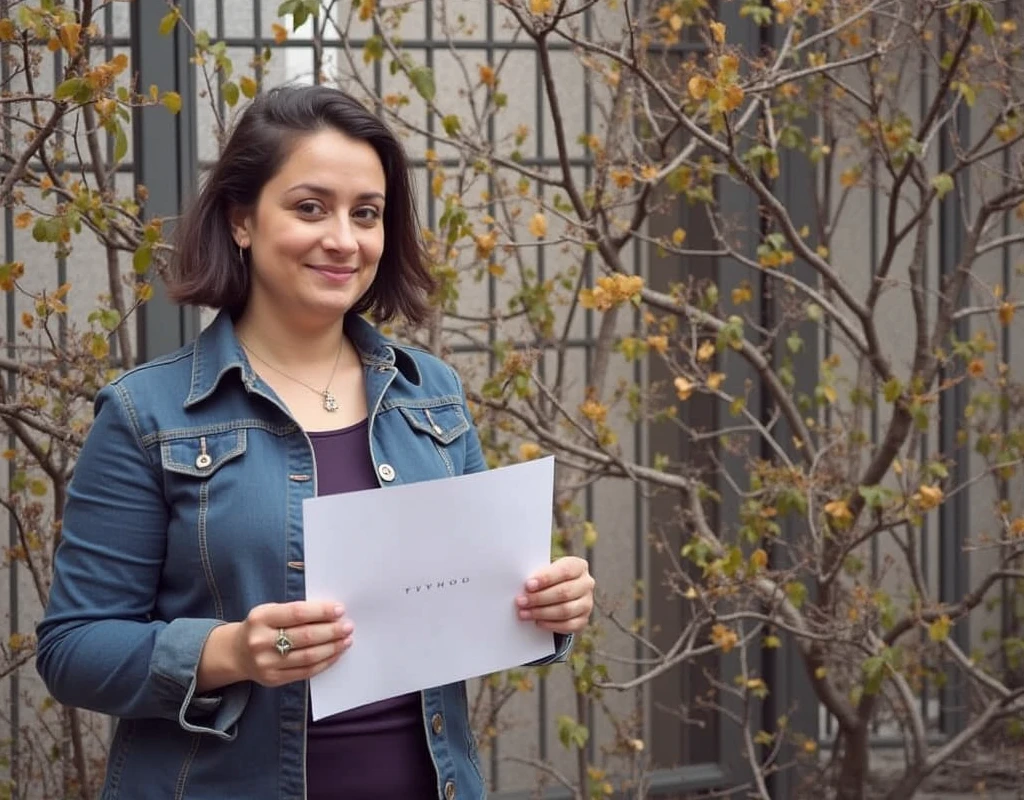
<point>241,255</point>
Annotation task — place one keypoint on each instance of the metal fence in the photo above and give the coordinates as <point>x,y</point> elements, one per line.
<point>168,158</point>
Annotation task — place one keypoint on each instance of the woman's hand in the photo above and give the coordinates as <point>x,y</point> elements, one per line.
<point>247,650</point>
<point>560,597</point>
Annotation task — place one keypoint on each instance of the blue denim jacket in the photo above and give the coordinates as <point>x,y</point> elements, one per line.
<point>185,511</point>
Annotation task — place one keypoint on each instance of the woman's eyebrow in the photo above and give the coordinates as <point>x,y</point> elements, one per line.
<point>325,191</point>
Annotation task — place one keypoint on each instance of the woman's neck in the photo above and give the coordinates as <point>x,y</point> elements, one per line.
<point>284,342</point>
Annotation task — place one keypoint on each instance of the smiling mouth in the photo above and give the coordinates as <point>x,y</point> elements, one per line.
<point>332,271</point>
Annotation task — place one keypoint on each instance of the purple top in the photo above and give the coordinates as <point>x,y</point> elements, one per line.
<point>378,750</point>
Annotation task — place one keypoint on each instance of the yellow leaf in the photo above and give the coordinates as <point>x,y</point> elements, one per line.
<point>172,102</point>
<point>976,367</point>
<point>538,225</point>
<point>658,343</point>
<point>830,394</point>
<point>759,559</point>
<point>7,30</point>
<point>623,178</point>
<point>810,746</point>
<point>1017,527</point>
<point>715,380</point>
<point>706,351</point>
<point>849,177</point>
<point>541,6</point>
<point>675,22</point>
<point>678,236</point>
<point>820,673</point>
<point>724,637</point>
<point>718,32</point>
<point>698,87</point>
<point>248,86</point>
<point>1006,312</point>
<point>487,75</point>
<point>690,593</point>
<point>938,631</point>
<point>437,184</point>
<point>771,642</point>
<point>23,220</point>
<point>928,497</point>
<point>280,33</point>
<point>683,388</point>
<point>366,9</point>
<point>839,510</point>
<point>742,294</point>
<point>529,451</point>
<point>589,534</point>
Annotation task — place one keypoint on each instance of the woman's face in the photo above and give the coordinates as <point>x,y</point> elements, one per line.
<point>317,232</point>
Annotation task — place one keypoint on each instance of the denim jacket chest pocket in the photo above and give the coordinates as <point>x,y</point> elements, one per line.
<point>204,478</point>
<point>436,432</point>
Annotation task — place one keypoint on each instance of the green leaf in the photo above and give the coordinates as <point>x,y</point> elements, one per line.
<point>141,259</point>
<point>452,124</point>
<point>891,390</point>
<point>422,78</point>
<point>120,144</point>
<point>943,184</point>
<point>68,88</point>
<point>373,50</point>
<point>796,592</point>
<point>229,91</point>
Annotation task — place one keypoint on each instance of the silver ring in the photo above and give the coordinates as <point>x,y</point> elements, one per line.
<point>282,642</point>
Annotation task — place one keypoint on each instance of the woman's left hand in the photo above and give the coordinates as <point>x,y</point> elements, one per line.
<point>560,597</point>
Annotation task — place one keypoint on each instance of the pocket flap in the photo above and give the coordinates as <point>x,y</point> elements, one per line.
<point>445,423</point>
<point>201,455</point>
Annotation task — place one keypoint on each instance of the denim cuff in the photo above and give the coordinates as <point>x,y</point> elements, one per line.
<point>175,663</point>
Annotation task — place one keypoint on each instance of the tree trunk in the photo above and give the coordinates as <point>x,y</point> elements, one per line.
<point>853,764</point>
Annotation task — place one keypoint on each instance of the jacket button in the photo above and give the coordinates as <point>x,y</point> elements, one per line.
<point>203,461</point>
<point>437,723</point>
<point>386,472</point>
<point>449,790</point>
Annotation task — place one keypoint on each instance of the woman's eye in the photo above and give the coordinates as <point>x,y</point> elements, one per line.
<point>309,207</point>
<point>367,214</point>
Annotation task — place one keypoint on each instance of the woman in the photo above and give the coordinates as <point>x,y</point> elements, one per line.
<point>177,602</point>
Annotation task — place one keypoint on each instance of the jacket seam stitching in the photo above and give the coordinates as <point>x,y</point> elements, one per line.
<point>204,552</point>
<point>179,789</point>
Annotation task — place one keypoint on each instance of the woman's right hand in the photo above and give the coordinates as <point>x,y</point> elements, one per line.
<point>247,650</point>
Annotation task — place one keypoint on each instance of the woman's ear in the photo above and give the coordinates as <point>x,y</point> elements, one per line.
<point>241,225</point>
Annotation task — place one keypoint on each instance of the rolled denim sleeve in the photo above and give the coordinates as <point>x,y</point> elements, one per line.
<point>100,643</point>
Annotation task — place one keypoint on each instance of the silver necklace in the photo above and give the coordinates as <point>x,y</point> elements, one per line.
<point>330,402</point>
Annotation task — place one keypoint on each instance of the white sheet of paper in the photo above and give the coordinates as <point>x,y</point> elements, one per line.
<point>428,573</point>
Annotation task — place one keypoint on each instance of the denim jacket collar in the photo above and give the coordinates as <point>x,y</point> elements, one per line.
<point>217,352</point>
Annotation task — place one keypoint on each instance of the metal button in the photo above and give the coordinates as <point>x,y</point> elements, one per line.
<point>437,723</point>
<point>203,460</point>
<point>449,790</point>
<point>386,472</point>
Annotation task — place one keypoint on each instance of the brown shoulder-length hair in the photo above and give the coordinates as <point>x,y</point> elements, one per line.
<point>207,268</point>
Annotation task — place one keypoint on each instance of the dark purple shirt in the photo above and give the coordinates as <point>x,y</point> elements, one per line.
<point>378,750</point>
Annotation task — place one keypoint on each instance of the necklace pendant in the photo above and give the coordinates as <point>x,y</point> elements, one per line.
<point>330,401</point>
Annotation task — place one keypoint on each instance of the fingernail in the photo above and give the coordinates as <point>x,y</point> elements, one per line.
<point>532,585</point>
<point>347,628</point>
<point>339,610</point>
<point>524,615</point>
<point>521,601</point>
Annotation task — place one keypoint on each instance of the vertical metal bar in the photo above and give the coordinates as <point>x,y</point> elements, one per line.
<point>925,448</point>
<point>954,514</point>
<point>12,385</point>
<point>165,158</point>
